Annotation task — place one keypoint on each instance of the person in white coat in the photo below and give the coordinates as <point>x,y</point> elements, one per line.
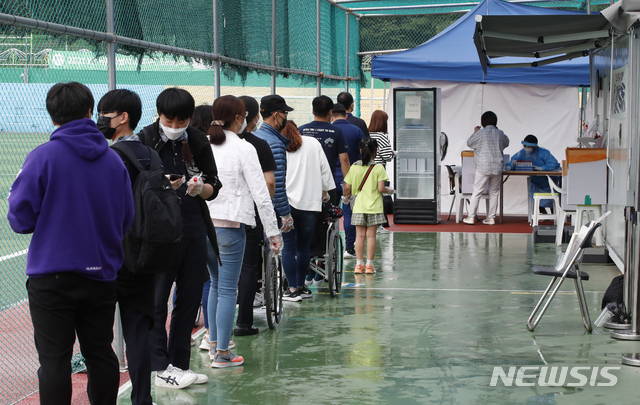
<point>309,178</point>
<point>242,184</point>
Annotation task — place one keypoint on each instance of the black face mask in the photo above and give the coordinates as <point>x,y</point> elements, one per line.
<point>284,122</point>
<point>104,126</point>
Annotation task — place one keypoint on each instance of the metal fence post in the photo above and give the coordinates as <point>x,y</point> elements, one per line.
<point>216,49</point>
<point>273,45</point>
<point>111,46</point>
<point>346,64</point>
<point>318,46</point>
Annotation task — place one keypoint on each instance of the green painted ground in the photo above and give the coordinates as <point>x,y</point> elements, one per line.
<point>442,311</point>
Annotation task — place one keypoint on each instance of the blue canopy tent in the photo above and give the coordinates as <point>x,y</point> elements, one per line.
<point>451,56</point>
<point>543,100</point>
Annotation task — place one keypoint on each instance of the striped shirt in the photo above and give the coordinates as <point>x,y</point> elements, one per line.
<point>385,152</point>
<point>488,144</point>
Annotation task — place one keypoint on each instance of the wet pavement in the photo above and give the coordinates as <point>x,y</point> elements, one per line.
<point>429,327</point>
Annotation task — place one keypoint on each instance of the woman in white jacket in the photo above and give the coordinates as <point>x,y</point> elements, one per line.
<point>309,178</point>
<point>242,185</point>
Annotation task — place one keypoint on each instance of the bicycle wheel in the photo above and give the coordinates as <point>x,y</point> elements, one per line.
<point>278,288</point>
<point>337,259</point>
<point>267,287</point>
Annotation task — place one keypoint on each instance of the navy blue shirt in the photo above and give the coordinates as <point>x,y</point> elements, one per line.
<point>358,122</point>
<point>352,135</point>
<point>330,137</point>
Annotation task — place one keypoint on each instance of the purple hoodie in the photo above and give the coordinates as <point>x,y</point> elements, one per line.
<point>73,193</point>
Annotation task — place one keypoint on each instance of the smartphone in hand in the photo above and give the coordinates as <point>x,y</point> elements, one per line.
<point>174,177</point>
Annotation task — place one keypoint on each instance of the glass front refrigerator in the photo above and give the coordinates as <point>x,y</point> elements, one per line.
<point>417,169</point>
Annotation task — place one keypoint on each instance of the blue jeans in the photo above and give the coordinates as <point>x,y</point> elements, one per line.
<point>224,284</point>
<point>349,230</point>
<point>205,302</point>
<point>297,242</point>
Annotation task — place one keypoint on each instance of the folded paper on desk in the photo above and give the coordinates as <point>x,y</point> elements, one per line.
<point>576,241</point>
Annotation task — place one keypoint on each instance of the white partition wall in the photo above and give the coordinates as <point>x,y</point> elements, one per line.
<point>550,112</point>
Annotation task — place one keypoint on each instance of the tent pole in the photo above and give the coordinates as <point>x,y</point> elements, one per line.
<point>384,97</point>
<point>588,6</point>
<point>371,108</point>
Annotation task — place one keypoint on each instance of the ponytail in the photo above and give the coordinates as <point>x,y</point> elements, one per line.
<point>224,112</point>
<point>368,148</point>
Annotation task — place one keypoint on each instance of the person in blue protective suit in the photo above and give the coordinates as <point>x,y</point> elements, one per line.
<point>541,159</point>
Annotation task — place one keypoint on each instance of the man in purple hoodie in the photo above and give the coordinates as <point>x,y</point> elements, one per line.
<point>74,195</point>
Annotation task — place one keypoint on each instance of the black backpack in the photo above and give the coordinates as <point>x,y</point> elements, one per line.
<point>153,242</point>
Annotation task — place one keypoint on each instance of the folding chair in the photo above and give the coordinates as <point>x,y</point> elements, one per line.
<point>571,259</point>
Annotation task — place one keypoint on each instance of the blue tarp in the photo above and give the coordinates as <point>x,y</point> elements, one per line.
<point>451,56</point>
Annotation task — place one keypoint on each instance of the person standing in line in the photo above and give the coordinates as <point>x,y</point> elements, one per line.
<point>309,179</point>
<point>120,111</point>
<point>330,137</point>
<point>346,99</point>
<point>353,136</point>
<point>251,262</point>
<point>378,131</point>
<point>186,154</point>
<point>74,195</point>
<point>231,212</point>
<point>488,144</point>
<point>365,181</point>
<point>274,111</point>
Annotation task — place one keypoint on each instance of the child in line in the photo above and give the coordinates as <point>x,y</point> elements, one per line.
<point>365,180</point>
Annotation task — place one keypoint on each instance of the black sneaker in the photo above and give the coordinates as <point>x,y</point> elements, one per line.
<point>293,296</point>
<point>305,292</point>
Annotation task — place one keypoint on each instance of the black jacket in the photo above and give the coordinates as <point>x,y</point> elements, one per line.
<point>203,158</point>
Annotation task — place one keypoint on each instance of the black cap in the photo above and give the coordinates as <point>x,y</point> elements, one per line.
<point>274,103</point>
<point>339,108</point>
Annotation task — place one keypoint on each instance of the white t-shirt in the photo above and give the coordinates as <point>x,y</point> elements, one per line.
<point>308,174</point>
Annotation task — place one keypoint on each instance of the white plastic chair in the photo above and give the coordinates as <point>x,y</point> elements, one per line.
<point>561,215</point>
<point>536,216</point>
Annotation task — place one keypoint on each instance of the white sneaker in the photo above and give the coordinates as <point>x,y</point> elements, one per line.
<point>489,221</point>
<point>308,282</point>
<point>349,254</point>
<point>175,378</point>
<point>318,283</point>
<point>204,345</point>
<point>382,229</point>
<point>257,301</point>
<point>200,378</point>
<point>469,220</point>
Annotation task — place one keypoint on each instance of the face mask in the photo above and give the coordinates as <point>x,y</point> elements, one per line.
<point>104,126</point>
<point>284,122</point>
<point>244,125</point>
<point>528,150</point>
<point>173,133</point>
<point>257,125</point>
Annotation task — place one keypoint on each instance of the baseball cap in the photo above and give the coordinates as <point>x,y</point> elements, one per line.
<point>274,102</point>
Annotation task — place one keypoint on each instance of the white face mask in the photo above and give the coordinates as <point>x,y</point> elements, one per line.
<point>528,150</point>
<point>173,133</point>
<point>244,125</point>
<point>257,125</point>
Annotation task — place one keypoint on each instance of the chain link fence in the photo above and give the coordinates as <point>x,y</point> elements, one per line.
<point>159,44</point>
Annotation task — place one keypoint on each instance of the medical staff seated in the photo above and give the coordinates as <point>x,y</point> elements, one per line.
<point>541,159</point>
